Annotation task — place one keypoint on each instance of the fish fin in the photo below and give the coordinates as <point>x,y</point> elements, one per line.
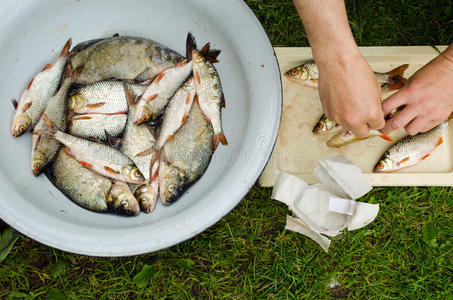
<point>51,127</point>
<point>68,151</point>
<point>26,106</point>
<point>170,137</point>
<point>85,164</point>
<point>406,159</point>
<point>205,49</point>
<point>144,153</point>
<point>440,141</point>
<point>386,137</point>
<point>47,67</point>
<point>181,63</point>
<point>95,105</point>
<point>83,45</point>
<point>314,80</point>
<point>110,170</point>
<point>154,176</point>
<point>184,118</point>
<point>398,71</point>
<point>222,101</point>
<point>210,54</point>
<point>30,83</point>
<point>151,98</point>
<point>395,83</point>
<point>219,138</point>
<point>191,45</point>
<point>124,112</point>
<point>116,34</point>
<point>111,140</point>
<point>82,117</point>
<point>424,157</point>
<point>159,78</point>
<point>197,77</point>
<point>73,74</point>
<point>14,102</point>
<point>142,77</point>
<point>188,98</point>
<point>129,95</point>
<point>65,50</point>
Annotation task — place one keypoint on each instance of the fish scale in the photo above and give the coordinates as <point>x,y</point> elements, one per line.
<point>96,125</point>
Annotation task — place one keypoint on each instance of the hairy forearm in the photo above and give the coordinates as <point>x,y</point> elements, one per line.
<point>327,28</point>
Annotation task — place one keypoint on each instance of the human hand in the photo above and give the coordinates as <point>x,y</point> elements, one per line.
<point>350,94</point>
<point>427,97</point>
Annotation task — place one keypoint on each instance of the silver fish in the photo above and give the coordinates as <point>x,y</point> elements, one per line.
<point>121,200</point>
<point>156,97</point>
<point>100,158</point>
<point>209,89</point>
<point>176,112</point>
<point>95,126</point>
<point>123,57</point>
<point>103,97</point>
<point>308,74</point>
<point>184,159</point>
<point>45,148</point>
<point>33,100</point>
<point>411,149</point>
<point>79,184</point>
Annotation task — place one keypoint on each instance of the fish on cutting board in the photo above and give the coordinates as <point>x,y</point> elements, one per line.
<point>39,90</point>
<point>411,149</point>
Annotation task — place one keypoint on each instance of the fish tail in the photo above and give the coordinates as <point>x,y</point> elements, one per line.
<point>219,138</point>
<point>191,45</point>
<point>65,50</point>
<point>386,137</point>
<point>129,95</point>
<point>398,71</point>
<point>51,127</point>
<point>210,54</point>
<point>14,102</point>
<point>395,83</point>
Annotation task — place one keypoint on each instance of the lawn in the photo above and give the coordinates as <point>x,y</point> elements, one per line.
<point>405,253</point>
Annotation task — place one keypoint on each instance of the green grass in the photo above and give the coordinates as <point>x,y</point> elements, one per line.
<point>405,253</point>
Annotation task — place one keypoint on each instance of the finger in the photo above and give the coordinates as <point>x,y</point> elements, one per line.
<point>393,102</point>
<point>418,125</point>
<point>361,131</point>
<point>377,123</point>
<point>400,120</point>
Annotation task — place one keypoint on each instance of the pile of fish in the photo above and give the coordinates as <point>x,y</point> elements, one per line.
<point>115,124</point>
<point>402,154</point>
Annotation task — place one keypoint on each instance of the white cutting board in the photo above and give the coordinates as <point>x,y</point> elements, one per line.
<point>297,150</point>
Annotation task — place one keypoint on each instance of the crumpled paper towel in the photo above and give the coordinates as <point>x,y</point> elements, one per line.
<point>327,208</point>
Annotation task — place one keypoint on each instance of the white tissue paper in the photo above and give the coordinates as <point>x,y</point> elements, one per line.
<point>327,208</point>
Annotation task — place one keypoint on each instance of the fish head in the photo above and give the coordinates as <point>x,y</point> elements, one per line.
<point>320,127</point>
<point>298,73</point>
<point>385,164</point>
<point>173,182</point>
<point>132,174</point>
<point>123,201</point>
<point>76,102</point>
<point>146,196</point>
<point>38,161</point>
<point>189,84</point>
<point>20,125</point>
<point>143,115</point>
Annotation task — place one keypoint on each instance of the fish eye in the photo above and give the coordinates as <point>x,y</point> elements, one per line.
<point>124,203</point>
<point>137,174</point>
<point>21,128</point>
<point>319,126</point>
<point>36,166</point>
<point>294,72</point>
<point>380,165</point>
<point>171,188</point>
<point>144,118</point>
